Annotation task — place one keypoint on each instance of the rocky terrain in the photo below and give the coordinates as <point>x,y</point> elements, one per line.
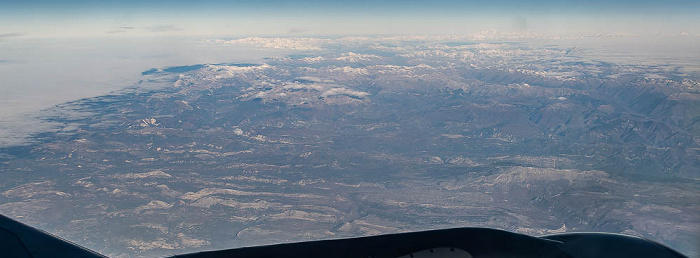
<point>358,136</point>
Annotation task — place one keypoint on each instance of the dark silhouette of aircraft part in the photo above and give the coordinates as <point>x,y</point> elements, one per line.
<point>19,240</point>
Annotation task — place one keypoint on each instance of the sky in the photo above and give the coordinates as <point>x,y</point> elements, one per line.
<point>53,51</point>
<point>87,18</point>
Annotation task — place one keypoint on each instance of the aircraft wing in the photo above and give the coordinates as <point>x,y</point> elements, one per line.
<point>19,240</point>
<point>461,242</point>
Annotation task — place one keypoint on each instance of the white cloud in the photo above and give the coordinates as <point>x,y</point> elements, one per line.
<point>162,28</point>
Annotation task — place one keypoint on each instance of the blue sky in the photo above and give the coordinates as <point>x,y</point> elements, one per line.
<point>42,18</point>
